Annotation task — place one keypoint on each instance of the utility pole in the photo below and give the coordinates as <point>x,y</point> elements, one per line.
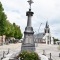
<point>39,27</point>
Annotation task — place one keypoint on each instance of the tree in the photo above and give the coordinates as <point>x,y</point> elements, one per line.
<point>55,40</point>
<point>6,28</point>
<point>3,18</point>
<point>17,34</point>
<point>9,29</point>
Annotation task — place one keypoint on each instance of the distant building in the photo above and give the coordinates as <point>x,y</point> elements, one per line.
<point>44,37</point>
<point>2,39</point>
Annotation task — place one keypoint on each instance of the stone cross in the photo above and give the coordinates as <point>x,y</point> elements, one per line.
<point>30,2</point>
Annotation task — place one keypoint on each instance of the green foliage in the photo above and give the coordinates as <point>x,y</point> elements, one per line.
<point>26,55</point>
<point>2,20</point>
<point>55,40</point>
<point>1,8</point>
<point>9,29</point>
<point>17,32</point>
<point>6,28</point>
<point>12,30</point>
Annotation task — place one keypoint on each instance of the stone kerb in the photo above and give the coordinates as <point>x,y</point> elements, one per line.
<point>10,59</point>
<point>7,57</point>
<point>43,57</point>
<point>11,56</point>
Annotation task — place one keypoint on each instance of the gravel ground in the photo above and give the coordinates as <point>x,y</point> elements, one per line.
<point>10,47</point>
<point>53,49</point>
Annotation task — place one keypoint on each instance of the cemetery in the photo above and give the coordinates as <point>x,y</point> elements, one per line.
<point>31,48</point>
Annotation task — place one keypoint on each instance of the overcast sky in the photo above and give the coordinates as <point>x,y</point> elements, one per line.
<point>44,10</point>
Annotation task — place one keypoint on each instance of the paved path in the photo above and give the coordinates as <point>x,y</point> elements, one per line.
<point>53,49</point>
<point>11,47</point>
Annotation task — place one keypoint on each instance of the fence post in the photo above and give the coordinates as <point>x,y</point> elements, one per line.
<point>1,58</point>
<point>19,58</point>
<point>8,51</point>
<point>44,53</point>
<point>3,55</point>
<point>59,54</point>
<point>50,57</point>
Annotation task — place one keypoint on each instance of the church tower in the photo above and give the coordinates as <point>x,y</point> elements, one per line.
<point>47,29</point>
<point>47,33</point>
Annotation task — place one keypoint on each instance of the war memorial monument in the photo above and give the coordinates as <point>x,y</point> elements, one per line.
<point>28,41</point>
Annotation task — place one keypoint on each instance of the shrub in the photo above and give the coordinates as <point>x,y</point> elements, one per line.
<point>26,55</point>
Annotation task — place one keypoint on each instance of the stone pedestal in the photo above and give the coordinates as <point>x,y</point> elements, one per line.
<point>28,42</point>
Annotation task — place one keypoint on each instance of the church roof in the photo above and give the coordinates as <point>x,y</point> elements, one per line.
<point>39,35</point>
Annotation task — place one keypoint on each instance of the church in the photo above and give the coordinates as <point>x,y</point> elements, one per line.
<point>44,37</point>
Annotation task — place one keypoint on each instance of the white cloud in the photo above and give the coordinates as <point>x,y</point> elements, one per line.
<point>43,10</point>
